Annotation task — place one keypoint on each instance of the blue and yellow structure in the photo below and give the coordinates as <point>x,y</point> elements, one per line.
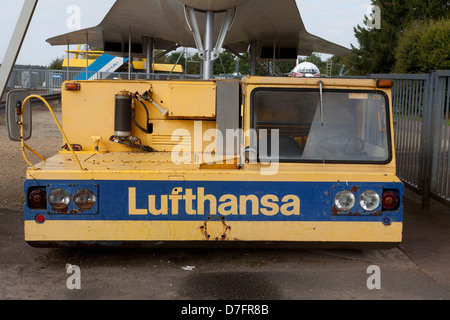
<point>145,165</point>
<point>99,61</point>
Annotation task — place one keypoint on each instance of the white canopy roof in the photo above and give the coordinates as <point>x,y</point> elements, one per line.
<point>267,22</point>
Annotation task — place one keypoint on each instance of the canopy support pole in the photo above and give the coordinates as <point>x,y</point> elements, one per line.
<point>150,57</point>
<point>129,55</point>
<point>68,61</point>
<point>208,53</point>
<point>87,56</point>
<point>253,58</point>
<point>208,62</point>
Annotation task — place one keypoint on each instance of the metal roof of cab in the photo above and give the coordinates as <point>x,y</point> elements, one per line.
<point>347,83</point>
<point>264,21</point>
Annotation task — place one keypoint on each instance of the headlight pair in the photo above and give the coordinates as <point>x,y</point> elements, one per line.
<point>84,199</point>
<point>369,200</point>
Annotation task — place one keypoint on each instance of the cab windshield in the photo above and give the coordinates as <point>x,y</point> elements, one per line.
<point>296,125</point>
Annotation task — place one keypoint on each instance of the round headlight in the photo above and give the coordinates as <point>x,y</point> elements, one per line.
<point>59,199</point>
<point>344,200</point>
<point>85,199</point>
<point>369,200</point>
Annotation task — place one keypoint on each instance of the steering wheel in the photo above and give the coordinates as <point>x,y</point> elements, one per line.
<point>343,145</point>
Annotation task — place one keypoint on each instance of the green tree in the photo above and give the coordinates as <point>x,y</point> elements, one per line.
<point>423,47</point>
<point>244,66</point>
<point>285,66</point>
<point>189,61</point>
<point>337,63</point>
<point>56,64</point>
<point>225,64</point>
<point>434,47</point>
<point>376,52</point>
<point>174,58</point>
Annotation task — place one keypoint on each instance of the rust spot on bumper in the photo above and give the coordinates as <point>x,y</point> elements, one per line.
<point>335,211</point>
<point>215,228</point>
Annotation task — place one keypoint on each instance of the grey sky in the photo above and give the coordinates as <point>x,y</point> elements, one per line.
<point>332,20</point>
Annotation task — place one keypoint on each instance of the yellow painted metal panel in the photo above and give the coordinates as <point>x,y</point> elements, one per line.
<point>158,67</point>
<point>159,165</point>
<point>194,100</point>
<point>170,134</point>
<point>77,63</point>
<point>311,82</point>
<point>195,231</point>
<point>90,111</point>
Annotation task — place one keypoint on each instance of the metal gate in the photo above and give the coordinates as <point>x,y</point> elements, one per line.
<point>422,132</point>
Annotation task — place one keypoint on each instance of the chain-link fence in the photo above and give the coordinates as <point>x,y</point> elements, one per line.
<point>39,80</point>
<point>50,81</point>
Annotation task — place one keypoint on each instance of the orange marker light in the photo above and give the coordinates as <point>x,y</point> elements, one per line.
<point>382,83</point>
<point>73,86</point>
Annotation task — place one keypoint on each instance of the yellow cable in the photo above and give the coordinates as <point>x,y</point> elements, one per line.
<point>24,145</point>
